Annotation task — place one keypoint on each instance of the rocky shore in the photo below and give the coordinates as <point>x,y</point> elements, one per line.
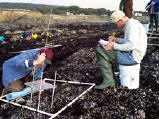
<point>75,61</point>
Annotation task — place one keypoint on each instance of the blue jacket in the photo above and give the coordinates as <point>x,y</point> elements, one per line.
<point>156,6</point>
<point>16,68</point>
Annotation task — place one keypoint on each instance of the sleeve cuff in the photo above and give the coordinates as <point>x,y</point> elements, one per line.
<point>120,40</point>
<point>116,46</point>
<point>30,63</point>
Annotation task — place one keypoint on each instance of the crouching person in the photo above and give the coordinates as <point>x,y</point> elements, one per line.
<point>16,69</point>
<point>127,51</point>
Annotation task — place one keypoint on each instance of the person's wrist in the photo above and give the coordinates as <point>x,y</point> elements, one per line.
<point>30,63</point>
<point>35,62</point>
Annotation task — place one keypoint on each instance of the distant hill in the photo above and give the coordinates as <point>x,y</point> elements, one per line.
<point>27,6</point>
<point>60,10</point>
<point>45,9</point>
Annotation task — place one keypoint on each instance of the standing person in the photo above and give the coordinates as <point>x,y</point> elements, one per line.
<point>125,51</point>
<point>17,68</point>
<point>153,10</point>
<point>127,7</point>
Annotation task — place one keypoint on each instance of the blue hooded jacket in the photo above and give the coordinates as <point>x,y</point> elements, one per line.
<point>16,68</point>
<point>156,5</point>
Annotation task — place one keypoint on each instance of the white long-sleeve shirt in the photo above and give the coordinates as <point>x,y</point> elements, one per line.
<point>135,40</point>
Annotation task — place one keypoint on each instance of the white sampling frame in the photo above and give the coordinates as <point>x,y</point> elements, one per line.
<point>3,98</point>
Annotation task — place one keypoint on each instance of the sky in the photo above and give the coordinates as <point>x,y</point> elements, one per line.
<point>107,4</point>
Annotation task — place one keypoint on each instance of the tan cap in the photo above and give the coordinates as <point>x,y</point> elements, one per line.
<point>117,15</point>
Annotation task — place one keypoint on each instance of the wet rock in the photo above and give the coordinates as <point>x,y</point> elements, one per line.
<point>88,105</point>
<point>75,60</point>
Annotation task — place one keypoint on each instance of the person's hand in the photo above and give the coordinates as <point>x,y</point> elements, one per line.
<point>109,46</point>
<point>112,39</point>
<point>4,42</point>
<point>153,3</point>
<point>40,59</point>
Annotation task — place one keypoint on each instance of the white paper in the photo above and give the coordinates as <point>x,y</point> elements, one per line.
<point>103,42</point>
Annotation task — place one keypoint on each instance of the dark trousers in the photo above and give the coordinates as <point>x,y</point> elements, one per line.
<point>154,18</point>
<point>16,85</point>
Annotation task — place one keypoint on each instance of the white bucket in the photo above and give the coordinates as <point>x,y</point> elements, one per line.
<point>129,76</point>
<point>146,26</point>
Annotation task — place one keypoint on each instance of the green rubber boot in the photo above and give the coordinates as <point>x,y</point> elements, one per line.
<point>108,80</point>
<point>105,58</point>
<point>104,85</point>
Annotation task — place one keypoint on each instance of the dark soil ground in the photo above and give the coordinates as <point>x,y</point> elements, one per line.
<point>75,61</point>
